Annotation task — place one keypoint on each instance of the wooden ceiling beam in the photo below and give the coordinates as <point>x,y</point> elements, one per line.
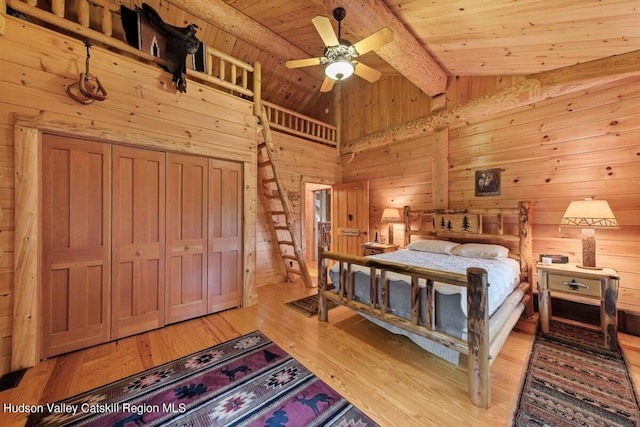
<point>623,65</point>
<point>536,88</point>
<point>404,53</point>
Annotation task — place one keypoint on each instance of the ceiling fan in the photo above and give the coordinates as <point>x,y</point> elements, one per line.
<point>339,54</point>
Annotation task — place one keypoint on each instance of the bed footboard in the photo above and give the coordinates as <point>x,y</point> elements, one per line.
<point>484,340</point>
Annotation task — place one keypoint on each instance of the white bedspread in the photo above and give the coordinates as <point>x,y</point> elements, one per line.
<point>503,274</point>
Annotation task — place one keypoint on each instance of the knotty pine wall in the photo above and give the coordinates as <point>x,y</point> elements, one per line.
<point>586,144</point>
<point>143,109</point>
<point>299,161</point>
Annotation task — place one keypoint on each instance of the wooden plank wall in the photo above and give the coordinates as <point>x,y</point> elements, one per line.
<point>299,161</point>
<point>586,144</point>
<point>142,107</point>
<point>391,100</point>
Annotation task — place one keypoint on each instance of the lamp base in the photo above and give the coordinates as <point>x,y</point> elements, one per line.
<point>589,249</point>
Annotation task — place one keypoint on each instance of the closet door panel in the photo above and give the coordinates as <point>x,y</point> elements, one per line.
<point>138,240</point>
<point>186,237</point>
<point>225,235</point>
<point>75,279</point>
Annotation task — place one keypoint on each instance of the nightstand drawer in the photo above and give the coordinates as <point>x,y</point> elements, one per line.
<point>575,285</point>
<point>368,251</point>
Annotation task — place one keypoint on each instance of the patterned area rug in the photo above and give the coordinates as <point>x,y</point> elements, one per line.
<point>309,305</point>
<point>572,380</point>
<point>248,381</point>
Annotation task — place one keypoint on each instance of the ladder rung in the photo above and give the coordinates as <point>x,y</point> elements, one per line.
<point>262,145</point>
<point>281,227</point>
<point>265,163</point>
<point>277,213</point>
<point>291,257</point>
<point>272,196</point>
<point>294,271</point>
<point>268,180</point>
<point>285,242</point>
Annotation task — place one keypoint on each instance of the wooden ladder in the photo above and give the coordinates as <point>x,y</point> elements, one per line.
<point>278,207</point>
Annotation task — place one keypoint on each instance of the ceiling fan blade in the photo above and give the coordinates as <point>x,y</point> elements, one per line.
<point>327,85</point>
<point>367,73</point>
<point>306,62</point>
<point>324,28</point>
<point>374,41</point>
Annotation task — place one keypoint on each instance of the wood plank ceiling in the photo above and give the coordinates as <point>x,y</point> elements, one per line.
<point>433,39</point>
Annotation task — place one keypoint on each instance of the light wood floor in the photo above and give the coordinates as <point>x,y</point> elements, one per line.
<point>388,377</point>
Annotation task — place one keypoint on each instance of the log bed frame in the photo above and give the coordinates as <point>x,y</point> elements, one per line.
<point>484,339</point>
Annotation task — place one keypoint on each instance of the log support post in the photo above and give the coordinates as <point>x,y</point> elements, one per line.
<point>478,337</point>
<point>323,312</point>
<point>3,9</point>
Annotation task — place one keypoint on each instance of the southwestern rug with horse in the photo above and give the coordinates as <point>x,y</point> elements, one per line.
<point>247,381</point>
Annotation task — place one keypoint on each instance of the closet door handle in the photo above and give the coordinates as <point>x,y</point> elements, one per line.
<point>139,252</point>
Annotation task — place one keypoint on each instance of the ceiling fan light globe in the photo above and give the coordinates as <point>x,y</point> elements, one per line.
<point>339,70</point>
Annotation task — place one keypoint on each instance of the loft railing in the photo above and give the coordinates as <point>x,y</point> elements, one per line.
<point>300,125</point>
<point>222,70</point>
<point>94,21</point>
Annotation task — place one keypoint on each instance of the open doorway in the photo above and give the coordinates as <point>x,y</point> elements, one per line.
<point>317,221</point>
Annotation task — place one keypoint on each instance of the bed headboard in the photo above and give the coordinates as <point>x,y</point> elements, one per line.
<point>502,226</point>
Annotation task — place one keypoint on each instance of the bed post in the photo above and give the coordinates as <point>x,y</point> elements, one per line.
<point>478,337</point>
<point>526,253</point>
<point>322,285</point>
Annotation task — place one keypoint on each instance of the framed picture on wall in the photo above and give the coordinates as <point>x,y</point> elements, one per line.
<point>488,182</point>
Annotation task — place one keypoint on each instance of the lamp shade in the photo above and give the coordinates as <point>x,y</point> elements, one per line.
<point>589,214</point>
<point>390,215</point>
<point>339,69</point>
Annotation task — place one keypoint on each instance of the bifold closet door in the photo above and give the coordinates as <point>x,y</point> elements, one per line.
<point>138,241</point>
<point>225,235</point>
<point>186,237</point>
<point>75,279</point>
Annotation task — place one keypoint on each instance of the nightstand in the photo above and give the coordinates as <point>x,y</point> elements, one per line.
<point>568,279</point>
<point>372,248</point>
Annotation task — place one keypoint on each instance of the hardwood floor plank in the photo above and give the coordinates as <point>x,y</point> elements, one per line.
<point>385,375</point>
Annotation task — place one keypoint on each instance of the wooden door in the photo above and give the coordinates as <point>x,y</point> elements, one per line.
<point>350,217</point>
<point>225,235</point>
<point>186,285</point>
<point>75,278</point>
<point>138,241</point>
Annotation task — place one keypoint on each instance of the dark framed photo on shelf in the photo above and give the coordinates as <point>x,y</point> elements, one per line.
<point>488,182</point>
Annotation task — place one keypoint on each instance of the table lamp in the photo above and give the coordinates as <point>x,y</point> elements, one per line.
<point>588,215</point>
<point>391,216</point>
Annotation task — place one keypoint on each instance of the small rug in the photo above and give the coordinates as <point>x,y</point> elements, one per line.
<point>247,381</point>
<point>309,305</point>
<point>572,380</point>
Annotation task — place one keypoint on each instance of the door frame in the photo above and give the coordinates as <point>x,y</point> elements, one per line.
<point>305,227</point>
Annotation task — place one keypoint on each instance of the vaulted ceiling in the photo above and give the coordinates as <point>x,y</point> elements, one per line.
<point>433,39</point>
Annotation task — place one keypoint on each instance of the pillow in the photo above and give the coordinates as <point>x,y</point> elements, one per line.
<point>481,250</point>
<point>435,246</point>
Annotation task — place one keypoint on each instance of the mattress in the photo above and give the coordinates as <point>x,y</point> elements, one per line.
<point>503,274</point>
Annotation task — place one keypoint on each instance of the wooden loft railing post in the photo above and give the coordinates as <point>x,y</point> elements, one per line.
<point>257,88</point>
<point>83,13</point>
